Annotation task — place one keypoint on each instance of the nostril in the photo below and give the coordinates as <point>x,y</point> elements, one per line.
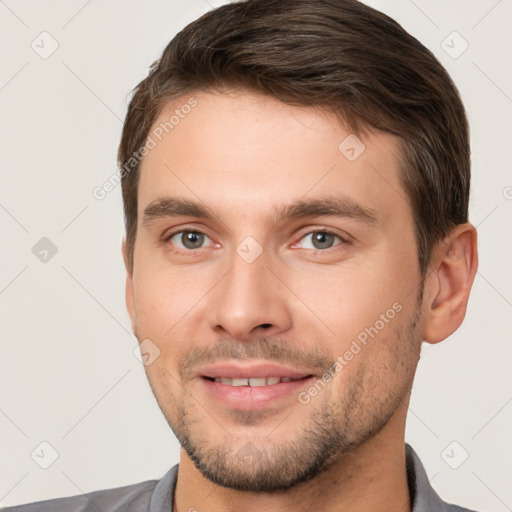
<point>266,326</point>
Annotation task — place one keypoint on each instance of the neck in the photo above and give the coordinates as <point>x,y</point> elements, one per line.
<point>372,477</point>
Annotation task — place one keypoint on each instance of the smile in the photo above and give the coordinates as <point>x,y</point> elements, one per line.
<point>253,382</point>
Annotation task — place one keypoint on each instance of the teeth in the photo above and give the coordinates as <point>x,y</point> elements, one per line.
<point>258,382</point>
<point>253,382</point>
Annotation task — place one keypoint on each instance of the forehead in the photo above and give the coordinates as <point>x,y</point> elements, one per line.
<point>243,153</point>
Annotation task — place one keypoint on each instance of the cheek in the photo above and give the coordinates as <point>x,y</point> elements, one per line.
<point>167,303</point>
<point>165,298</point>
<point>349,298</point>
<point>152,306</point>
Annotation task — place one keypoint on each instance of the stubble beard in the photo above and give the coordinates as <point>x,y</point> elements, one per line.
<point>333,430</point>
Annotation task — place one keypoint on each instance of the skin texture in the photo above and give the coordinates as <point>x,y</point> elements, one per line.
<point>246,156</point>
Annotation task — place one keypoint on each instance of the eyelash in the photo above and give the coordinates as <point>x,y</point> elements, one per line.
<point>190,252</point>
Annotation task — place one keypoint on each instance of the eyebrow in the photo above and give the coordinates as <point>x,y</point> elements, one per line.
<point>334,206</point>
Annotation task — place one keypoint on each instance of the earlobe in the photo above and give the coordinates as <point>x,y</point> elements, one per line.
<point>449,283</point>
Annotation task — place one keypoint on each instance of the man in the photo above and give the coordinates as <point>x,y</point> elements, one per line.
<point>295,181</point>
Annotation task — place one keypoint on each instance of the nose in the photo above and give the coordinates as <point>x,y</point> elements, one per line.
<point>250,301</point>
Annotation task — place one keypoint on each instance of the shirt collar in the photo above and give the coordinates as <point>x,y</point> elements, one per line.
<point>425,499</point>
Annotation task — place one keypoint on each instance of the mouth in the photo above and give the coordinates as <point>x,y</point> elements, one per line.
<point>252,386</point>
<point>254,382</point>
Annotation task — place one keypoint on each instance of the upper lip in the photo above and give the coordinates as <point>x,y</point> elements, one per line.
<point>250,371</point>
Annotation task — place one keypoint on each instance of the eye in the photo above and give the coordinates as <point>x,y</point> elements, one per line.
<point>320,240</point>
<point>188,239</point>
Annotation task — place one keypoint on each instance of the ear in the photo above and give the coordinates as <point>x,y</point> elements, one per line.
<point>129,296</point>
<point>450,279</point>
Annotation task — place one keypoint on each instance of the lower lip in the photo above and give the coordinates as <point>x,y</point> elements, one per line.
<point>258,397</point>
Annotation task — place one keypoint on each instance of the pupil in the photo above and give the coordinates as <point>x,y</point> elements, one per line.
<point>192,240</point>
<point>322,240</point>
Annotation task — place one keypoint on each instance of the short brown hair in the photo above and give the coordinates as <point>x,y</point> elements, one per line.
<point>336,54</point>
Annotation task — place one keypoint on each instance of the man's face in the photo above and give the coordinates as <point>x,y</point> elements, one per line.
<point>268,287</point>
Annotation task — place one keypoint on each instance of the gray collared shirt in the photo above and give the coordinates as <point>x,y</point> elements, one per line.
<point>158,495</point>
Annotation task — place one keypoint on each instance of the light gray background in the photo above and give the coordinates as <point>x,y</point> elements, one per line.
<point>68,373</point>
